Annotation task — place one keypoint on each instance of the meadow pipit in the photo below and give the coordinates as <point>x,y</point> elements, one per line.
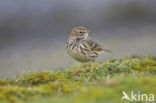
<point>82,48</point>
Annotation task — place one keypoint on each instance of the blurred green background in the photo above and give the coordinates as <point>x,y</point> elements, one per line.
<point>33,32</point>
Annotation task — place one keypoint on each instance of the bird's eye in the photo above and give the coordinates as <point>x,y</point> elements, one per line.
<point>81,32</point>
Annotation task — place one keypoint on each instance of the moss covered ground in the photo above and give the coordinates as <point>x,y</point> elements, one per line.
<point>105,85</point>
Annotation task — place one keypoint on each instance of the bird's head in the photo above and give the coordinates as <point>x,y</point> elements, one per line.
<point>79,33</point>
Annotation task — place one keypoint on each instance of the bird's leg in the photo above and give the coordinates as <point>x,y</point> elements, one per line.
<point>76,72</point>
<point>92,67</point>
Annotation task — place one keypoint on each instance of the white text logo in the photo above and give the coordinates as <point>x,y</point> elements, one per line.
<point>137,96</point>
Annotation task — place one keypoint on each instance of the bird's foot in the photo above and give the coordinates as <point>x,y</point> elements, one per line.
<point>75,73</point>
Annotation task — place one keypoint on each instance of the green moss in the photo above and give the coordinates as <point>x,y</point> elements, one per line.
<point>106,83</point>
<point>103,92</point>
<point>35,78</point>
<point>14,94</point>
<point>60,87</point>
<point>3,82</point>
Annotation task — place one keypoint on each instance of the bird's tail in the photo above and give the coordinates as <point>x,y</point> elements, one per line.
<point>106,50</point>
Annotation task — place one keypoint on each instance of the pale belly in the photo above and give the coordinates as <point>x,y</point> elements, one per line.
<point>79,56</point>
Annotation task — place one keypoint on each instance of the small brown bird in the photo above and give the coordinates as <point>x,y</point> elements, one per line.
<point>82,48</point>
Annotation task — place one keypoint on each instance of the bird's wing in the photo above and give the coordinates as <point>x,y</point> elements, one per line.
<point>91,45</point>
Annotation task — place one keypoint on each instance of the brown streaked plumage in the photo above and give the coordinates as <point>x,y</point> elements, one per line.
<point>82,48</point>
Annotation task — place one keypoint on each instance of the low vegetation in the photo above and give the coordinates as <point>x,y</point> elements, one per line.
<point>105,85</point>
